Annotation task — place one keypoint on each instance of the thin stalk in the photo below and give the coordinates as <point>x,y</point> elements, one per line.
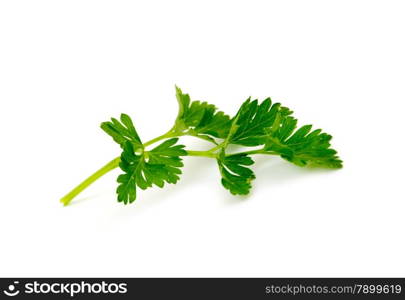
<point>89,180</point>
<point>217,147</point>
<point>258,151</point>
<point>167,135</point>
<point>201,153</point>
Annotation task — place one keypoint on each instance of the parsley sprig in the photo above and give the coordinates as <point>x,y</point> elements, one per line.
<point>267,126</point>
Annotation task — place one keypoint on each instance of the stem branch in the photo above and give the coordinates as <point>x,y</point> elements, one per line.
<point>201,153</point>
<point>89,180</point>
<point>258,151</point>
<point>167,135</point>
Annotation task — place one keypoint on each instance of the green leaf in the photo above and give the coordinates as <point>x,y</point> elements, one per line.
<point>253,120</point>
<point>123,131</point>
<point>302,147</point>
<point>202,118</point>
<point>155,167</point>
<point>236,177</point>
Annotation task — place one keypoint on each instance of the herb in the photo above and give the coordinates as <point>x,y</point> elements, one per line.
<point>267,126</point>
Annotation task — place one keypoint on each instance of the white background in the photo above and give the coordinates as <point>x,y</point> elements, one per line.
<point>66,66</point>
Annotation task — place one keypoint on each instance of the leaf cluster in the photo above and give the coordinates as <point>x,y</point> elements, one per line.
<point>267,126</point>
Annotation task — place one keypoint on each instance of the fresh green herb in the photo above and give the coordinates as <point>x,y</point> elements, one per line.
<point>267,126</point>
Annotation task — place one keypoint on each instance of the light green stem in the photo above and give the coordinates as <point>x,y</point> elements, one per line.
<point>217,147</point>
<point>201,153</point>
<point>167,135</point>
<point>258,151</point>
<point>89,180</point>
